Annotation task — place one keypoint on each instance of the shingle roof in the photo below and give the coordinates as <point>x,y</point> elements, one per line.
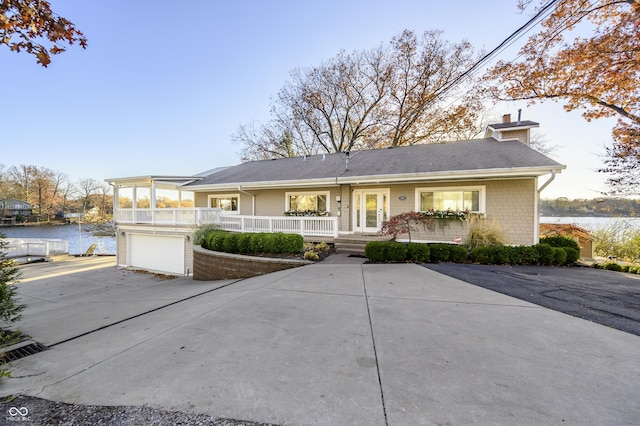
<point>478,156</point>
<point>523,123</point>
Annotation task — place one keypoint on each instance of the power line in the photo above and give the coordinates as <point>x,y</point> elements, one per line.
<point>506,42</point>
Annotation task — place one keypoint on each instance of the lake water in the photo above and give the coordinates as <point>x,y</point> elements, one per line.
<point>77,236</point>
<point>591,223</point>
<point>80,240</point>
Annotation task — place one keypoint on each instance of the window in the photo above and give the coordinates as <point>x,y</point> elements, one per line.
<point>307,201</point>
<point>228,203</point>
<point>471,199</point>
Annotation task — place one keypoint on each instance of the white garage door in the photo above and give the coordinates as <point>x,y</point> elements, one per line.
<point>157,253</point>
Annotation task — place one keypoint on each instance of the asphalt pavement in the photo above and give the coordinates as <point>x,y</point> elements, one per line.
<point>328,344</point>
<point>605,297</point>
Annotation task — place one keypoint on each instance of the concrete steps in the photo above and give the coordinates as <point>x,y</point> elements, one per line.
<point>354,244</point>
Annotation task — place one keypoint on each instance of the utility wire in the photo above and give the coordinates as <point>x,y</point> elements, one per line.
<point>506,42</point>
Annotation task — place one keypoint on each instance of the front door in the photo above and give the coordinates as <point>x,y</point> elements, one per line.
<point>371,209</point>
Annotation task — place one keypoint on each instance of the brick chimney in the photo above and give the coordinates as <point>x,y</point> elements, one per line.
<point>508,130</point>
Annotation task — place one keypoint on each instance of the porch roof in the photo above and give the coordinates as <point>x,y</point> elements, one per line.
<point>473,159</point>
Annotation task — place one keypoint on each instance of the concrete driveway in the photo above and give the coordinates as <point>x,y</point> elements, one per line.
<point>329,344</point>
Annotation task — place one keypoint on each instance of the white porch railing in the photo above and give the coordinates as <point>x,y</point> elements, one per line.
<point>181,217</point>
<point>311,226</point>
<point>21,247</point>
<point>304,225</point>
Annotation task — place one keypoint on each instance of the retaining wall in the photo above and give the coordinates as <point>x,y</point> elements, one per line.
<point>211,265</point>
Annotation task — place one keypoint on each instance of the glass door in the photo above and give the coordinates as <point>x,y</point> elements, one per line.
<point>371,209</point>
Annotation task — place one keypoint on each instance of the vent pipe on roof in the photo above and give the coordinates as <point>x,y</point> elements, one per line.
<point>323,157</point>
<point>304,158</point>
<point>519,114</point>
<point>346,165</point>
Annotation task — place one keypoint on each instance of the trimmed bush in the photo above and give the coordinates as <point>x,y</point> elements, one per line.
<point>458,254</point>
<point>396,252</point>
<point>214,240</point>
<point>292,243</point>
<point>573,254</point>
<point>546,254</point>
<point>502,255</point>
<point>230,243</point>
<point>375,251</point>
<point>559,241</point>
<point>418,252</point>
<point>243,243</point>
<point>385,251</point>
<point>634,270</point>
<point>559,256</point>
<point>483,255</point>
<point>524,255</point>
<point>612,266</point>
<point>439,252</point>
<point>249,243</point>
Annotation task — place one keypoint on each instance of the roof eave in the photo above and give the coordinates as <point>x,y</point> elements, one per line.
<point>395,178</point>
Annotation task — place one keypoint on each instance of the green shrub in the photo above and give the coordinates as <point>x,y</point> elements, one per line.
<point>243,243</point>
<point>375,251</point>
<point>458,254</point>
<point>214,240</point>
<point>558,241</point>
<point>634,270</point>
<point>524,255</point>
<point>612,266</point>
<point>259,243</point>
<point>418,252</point>
<point>396,252</point>
<point>559,256</point>
<point>573,254</point>
<point>386,251</point>
<point>230,243</point>
<point>293,243</point>
<point>546,254</point>
<point>625,268</point>
<point>483,255</point>
<point>502,255</point>
<point>439,252</point>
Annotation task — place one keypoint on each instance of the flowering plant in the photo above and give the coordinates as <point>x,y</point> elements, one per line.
<point>306,213</point>
<point>404,223</point>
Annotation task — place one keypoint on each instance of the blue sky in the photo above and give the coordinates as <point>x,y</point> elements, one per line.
<point>163,85</point>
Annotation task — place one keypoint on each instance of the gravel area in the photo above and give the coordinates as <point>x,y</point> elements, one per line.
<point>36,411</point>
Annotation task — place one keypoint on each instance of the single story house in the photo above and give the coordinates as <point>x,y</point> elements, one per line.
<point>331,196</point>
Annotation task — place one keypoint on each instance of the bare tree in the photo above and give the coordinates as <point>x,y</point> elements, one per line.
<point>401,93</point>
<point>87,188</point>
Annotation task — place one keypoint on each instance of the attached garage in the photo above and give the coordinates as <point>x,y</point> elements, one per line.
<point>161,253</point>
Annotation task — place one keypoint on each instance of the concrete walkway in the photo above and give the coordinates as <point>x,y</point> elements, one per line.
<point>328,344</point>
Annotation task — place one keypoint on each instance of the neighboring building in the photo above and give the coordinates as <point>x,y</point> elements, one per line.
<point>326,196</point>
<point>14,207</point>
<point>580,235</point>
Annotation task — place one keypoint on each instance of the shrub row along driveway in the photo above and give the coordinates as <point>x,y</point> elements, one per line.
<point>605,297</point>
